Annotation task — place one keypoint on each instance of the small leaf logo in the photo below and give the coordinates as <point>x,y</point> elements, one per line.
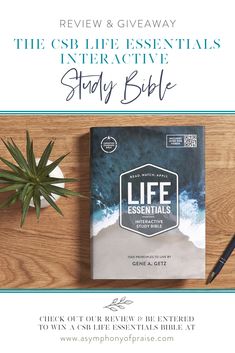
<point>118,304</point>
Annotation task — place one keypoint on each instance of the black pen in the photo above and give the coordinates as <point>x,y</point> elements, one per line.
<point>222,260</point>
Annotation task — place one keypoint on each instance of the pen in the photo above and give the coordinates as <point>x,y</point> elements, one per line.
<point>222,260</point>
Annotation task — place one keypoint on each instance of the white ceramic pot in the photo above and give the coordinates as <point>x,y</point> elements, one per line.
<point>56,173</point>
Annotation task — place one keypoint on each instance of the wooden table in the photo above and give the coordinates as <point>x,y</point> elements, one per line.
<point>55,253</point>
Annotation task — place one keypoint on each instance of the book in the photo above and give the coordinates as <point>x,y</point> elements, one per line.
<point>147,202</point>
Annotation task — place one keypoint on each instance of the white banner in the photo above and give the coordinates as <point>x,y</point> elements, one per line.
<point>123,56</point>
<point>70,322</point>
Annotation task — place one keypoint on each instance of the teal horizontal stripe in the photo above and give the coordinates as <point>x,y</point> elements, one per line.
<point>116,112</point>
<point>92,291</point>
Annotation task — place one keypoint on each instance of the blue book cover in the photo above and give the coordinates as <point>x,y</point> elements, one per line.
<point>148,202</point>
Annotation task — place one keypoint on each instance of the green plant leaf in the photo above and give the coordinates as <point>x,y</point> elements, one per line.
<point>28,146</point>
<point>17,155</point>
<point>20,156</point>
<point>37,202</point>
<point>25,204</point>
<point>49,189</point>
<point>45,156</point>
<point>49,168</point>
<point>34,165</point>
<point>12,166</point>
<point>24,192</point>
<point>12,187</point>
<point>4,181</point>
<point>50,180</point>
<point>49,200</point>
<point>60,191</point>
<point>7,175</point>
<point>30,154</point>
<point>10,201</point>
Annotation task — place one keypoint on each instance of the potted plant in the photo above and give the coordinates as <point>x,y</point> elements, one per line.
<point>35,182</point>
